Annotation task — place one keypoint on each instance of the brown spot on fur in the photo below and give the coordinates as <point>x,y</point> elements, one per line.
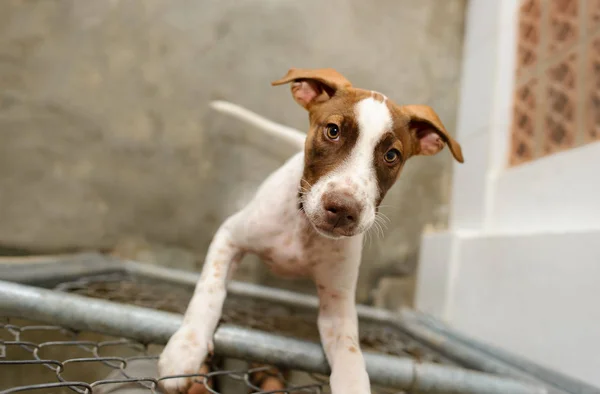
<point>266,254</point>
<point>287,241</point>
<point>191,337</point>
<point>353,349</point>
<point>321,287</point>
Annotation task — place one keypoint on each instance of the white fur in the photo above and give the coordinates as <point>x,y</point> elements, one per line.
<point>357,174</point>
<point>272,226</point>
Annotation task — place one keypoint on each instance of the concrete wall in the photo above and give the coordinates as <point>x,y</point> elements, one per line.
<point>105,136</point>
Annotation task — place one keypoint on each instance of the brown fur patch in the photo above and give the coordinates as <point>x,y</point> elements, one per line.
<point>387,173</point>
<point>353,349</point>
<point>322,155</point>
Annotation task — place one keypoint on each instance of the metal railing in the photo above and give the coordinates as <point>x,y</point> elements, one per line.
<point>447,363</point>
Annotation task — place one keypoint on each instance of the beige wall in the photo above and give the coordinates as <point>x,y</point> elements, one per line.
<point>104,129</point>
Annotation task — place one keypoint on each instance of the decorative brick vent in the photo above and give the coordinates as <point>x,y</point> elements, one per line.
<point>557,92</point>
<point>592,97</point>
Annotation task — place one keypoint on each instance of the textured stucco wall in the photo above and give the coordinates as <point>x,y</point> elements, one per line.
<point>105,135</point>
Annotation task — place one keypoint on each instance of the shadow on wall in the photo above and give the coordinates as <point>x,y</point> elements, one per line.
<point>106,135</point>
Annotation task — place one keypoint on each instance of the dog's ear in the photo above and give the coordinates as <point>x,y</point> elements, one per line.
<point>312,86</point>
<point>429,132</point>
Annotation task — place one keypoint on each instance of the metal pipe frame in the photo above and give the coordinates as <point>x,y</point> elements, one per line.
<point>150,326</point>
<point>427,325</point>
<point>424,329</point>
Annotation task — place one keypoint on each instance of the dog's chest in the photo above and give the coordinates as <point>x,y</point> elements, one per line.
<point>291,247</point>
<point>279,233</point>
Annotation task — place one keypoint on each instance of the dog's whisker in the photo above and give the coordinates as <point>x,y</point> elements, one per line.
<point>383,216</point>
<point>381,221</point>
<point>367,237</point>
<point>383,226</point>
<point>379,230</point>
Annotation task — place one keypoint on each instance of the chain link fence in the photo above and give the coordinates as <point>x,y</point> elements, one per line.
<point>53,359</point>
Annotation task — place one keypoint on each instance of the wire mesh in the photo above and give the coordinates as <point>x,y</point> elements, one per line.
<point>57,360</point>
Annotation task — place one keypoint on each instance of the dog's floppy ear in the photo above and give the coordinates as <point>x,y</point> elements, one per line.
<point>311,86</point>
<point>429,132</point>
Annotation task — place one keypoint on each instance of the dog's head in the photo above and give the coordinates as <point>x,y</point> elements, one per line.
<point>356,146</point>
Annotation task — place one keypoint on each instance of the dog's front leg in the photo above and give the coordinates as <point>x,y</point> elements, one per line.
<point>338,328</point>
<point>189,346</point>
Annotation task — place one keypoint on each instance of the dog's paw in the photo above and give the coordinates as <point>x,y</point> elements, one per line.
<point>346,383</point>
<point>183,355</point>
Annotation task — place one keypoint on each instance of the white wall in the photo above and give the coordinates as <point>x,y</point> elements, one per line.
<point>520,266</point>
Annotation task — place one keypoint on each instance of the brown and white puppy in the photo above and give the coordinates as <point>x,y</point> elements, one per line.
<point>308,217</point>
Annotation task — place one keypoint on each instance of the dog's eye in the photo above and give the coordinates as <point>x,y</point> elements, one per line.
<point>391,156</point>
<point>332,131</point>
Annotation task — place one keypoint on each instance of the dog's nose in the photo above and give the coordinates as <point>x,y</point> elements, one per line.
<point>340,210</point>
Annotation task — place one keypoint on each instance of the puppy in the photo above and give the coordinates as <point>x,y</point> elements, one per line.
<point>308,218</point>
